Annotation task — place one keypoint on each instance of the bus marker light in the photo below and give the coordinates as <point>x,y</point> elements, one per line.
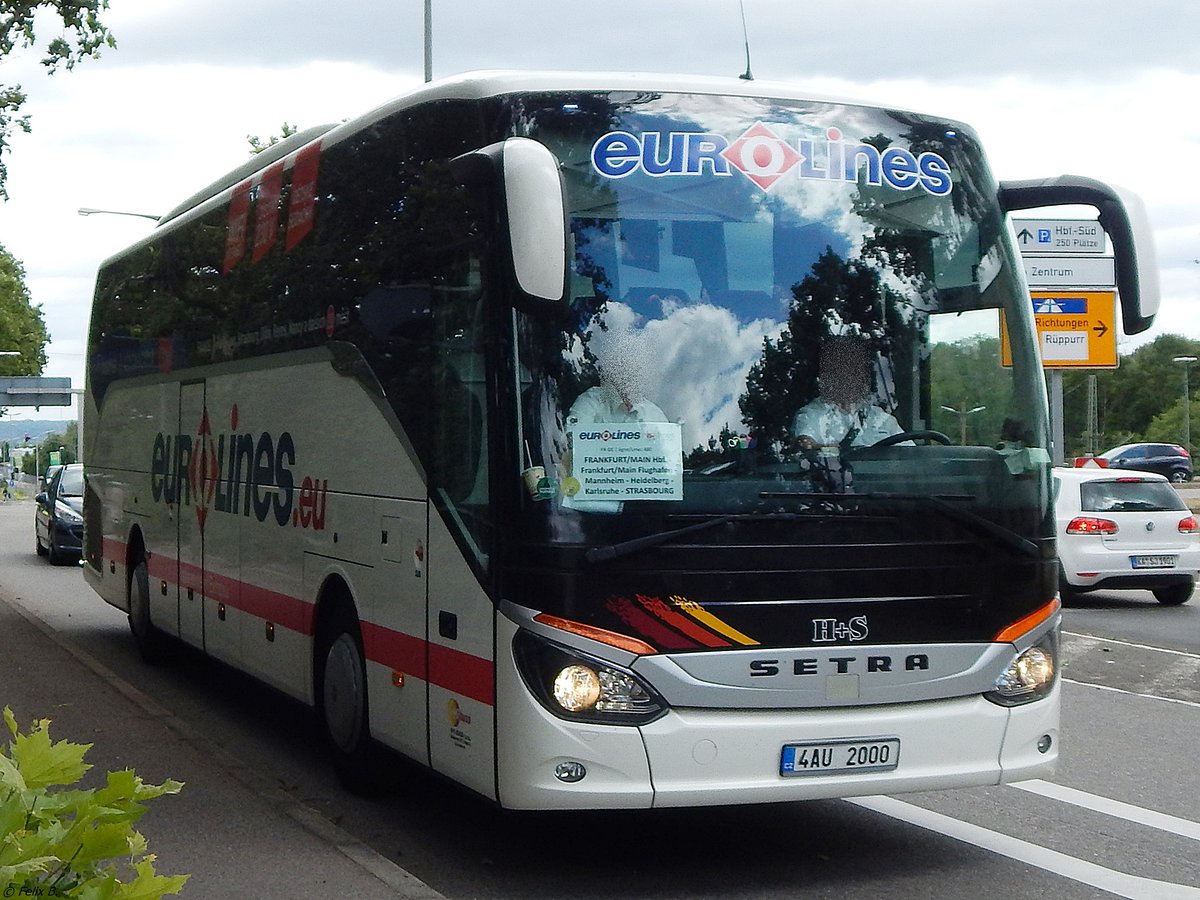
<point>603,635</point>
<point>570,772</point>
<point>271,632</point>
<point>1028,623</point>
<point>1043,744</point>
<point>397,679</point>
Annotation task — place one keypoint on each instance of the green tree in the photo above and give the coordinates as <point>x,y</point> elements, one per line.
<point>22,327</point>
<point>64,443</point>
<point>966,375</point>
<point>1167,426</point>
<point>82,35</point>
<point>1134,401</point>
<point>57,840</point>
<point>838,294</point>
<point>258,145</point>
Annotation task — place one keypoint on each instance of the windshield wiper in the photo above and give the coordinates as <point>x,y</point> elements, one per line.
<point>1006,536</point>
<point>635,545</point>
<point>973,520</point>
<point>1009,538</point>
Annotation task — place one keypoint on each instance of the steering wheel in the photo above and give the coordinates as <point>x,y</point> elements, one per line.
<point>925,435</point>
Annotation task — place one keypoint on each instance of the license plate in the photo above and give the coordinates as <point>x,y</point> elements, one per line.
<point>1161,561</point>
<point>848,756</point>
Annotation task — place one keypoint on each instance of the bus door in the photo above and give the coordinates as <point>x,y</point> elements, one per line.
<point>191,514</point>
<point>399,705</point>
<point>461,616</point>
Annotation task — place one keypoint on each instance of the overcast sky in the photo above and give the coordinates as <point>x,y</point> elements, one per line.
<point>1105,88</point>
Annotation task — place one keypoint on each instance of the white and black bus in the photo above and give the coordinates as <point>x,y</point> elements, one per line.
<point>482,423</point>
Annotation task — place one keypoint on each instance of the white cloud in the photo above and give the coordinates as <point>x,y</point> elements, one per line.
<point>1050,87</point>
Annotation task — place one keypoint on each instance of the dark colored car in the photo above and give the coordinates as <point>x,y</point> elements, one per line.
<point>58,521</point>
<point>1169,460</point>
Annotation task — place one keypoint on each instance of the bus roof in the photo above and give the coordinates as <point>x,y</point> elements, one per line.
<point>480,85</point>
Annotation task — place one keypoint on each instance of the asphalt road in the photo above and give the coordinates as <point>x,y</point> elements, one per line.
<point>1120,818</point>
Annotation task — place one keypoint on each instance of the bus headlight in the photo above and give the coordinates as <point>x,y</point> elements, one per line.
<point>577,688</point>
<point>582,688</point>
<point>1030,676</point>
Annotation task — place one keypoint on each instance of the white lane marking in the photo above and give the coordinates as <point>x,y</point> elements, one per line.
<point>1120,883</point>
<point>1103,640</point>
<point>1115,690</point>
<point>1115,808</point>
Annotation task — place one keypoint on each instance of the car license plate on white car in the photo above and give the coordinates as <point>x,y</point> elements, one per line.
<point>1157,561</point>
<point>851,755</point>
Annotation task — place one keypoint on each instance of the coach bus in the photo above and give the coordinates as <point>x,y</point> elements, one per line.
<point>483,424</point>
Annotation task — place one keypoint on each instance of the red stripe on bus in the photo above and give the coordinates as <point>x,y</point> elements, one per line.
<point>455,671</point>
<point>681,623</point>
<point>395,650</point>
<point>463,674</point>
<point>114,550</point>
<point>271,606</point>
<point>648,627</point>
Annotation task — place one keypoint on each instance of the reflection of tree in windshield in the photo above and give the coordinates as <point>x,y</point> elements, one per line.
<point>839,297</point>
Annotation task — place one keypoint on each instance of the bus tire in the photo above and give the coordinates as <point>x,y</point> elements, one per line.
<point>341,695</point>
<point>150,642</point>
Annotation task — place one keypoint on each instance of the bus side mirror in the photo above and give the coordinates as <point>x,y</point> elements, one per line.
<point>1123,217</point>
<point>526,174</point>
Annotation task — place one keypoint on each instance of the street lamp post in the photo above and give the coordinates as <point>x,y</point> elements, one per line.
<point>1186,362</point>
<point>89,211</point>
<point>428,41</point>
<point>962,413</point>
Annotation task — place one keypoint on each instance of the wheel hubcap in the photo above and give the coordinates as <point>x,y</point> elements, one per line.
<point>342,693</point>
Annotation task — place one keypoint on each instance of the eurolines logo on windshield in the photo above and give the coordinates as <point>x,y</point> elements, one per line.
<point>764,157</point>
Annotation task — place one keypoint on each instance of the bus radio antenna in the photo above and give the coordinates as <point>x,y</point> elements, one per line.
<point>747,75</point>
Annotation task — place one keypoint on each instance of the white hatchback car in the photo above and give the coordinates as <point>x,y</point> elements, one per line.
<point>1122,530</point>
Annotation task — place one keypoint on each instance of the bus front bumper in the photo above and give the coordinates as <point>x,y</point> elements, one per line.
<point>698,757</point>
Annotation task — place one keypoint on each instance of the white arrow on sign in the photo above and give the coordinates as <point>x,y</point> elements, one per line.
<point>1067,236</point>
<point>1066,271</point>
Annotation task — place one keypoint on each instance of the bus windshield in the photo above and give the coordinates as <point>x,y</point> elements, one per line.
<point>775,306</point>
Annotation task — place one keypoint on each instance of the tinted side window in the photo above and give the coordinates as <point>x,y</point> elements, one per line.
<point>377,202</point>
<point>374,242</point>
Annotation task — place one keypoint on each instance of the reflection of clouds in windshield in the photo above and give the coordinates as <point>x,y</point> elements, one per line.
<point>692,363</point>
<point>790,198</point>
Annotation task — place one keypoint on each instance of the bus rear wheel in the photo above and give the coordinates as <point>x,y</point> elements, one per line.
<point>151,643</point>
<point>341,694</point>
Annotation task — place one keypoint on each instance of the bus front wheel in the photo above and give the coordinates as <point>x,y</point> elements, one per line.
<point>342,699</point>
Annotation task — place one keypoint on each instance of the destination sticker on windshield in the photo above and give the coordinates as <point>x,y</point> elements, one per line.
<point>631,461</point>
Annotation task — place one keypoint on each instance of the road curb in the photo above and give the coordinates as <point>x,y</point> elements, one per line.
<point>406,885</point>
